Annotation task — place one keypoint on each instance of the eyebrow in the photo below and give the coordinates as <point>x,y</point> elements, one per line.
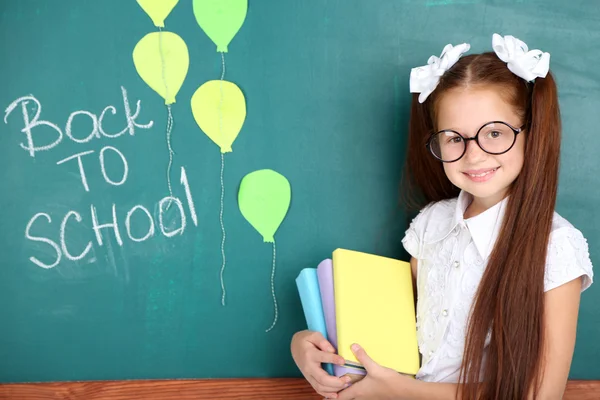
<point>480,126</point>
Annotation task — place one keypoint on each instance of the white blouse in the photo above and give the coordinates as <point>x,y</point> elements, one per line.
<point>452,253</point>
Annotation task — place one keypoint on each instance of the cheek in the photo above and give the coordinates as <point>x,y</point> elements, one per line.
<point>512,162</point>
<point>452,171</point>
<point>514,159</point>
<point>450,168</point>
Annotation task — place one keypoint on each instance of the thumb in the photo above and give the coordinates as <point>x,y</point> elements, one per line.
<point>362,357</point>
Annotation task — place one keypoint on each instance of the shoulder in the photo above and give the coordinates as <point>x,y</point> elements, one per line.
<point>558,222</point>
<point>443,209</point>
<point>436,213</point>
<point>431,223</point>
<point>568,256</point>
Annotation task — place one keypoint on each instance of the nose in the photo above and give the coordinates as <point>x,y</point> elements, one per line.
<point>474,153</point>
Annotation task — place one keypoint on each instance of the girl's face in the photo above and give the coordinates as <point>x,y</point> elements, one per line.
<point>485,176</point>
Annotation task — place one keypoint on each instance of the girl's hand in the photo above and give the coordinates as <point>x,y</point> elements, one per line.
<point>380,383</point>
<point>309,350</point>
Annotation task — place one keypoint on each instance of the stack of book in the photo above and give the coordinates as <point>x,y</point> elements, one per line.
<point>362,298</point>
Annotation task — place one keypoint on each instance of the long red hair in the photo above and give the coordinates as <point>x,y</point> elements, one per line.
<point>510,298</point>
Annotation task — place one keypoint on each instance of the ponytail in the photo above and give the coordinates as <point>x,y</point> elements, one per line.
<point>509,302</point>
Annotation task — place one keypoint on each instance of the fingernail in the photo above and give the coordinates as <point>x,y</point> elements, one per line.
<point>355,347</point>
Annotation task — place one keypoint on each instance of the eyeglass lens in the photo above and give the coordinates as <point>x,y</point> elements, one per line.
<point>493,138</point>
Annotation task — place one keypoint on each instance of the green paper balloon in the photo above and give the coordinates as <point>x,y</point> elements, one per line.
<point>264,199</point>
<point>220,19</point>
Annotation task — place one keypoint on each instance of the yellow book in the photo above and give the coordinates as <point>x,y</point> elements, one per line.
<point>375,308</point>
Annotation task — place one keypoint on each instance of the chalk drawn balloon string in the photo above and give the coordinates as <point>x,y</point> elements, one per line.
<point>222,184</point>
<point>169,117</point>
<point>273,288</point>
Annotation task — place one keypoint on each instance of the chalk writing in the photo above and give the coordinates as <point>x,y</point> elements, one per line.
<point>97,130</point>
<point>102,226</point>
<point>104,222</point>
<point>150,232</point>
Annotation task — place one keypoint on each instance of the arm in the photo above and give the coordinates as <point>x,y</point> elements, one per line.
<point>413,269</point>
<point>560,316</point>
<point>561,310</point>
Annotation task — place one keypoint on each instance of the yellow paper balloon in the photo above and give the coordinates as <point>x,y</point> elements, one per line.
<point>219,108</point>
<point>158,10</point>
<point>162,60</point>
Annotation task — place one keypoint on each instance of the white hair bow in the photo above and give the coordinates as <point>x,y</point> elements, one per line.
<point>425,79</point>
<point>519,59</point>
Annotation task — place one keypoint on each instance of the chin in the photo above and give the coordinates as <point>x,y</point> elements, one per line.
<point>481,190</point>
<point>483,193</point>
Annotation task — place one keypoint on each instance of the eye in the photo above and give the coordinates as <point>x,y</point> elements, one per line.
<point>494,134</point>
<point>455,140</point>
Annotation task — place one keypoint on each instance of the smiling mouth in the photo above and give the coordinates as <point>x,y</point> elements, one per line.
<point>482,174</point>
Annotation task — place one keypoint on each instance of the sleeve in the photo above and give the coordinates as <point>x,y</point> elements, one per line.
<point>568,258</point>
<point>414,234</point>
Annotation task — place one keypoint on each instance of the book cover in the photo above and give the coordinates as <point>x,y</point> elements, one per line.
<point>325,275</point>
<point>310,297</point>
<point>375,308</point>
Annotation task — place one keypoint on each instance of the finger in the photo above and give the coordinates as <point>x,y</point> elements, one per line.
<point>363,357</point>
<point>328,382</point>
<point>323,357</point>
<point>324,391</point>
<point>328,395</point>
<point>348,394</point>
<point>319,340</point>
<point>351,393</point>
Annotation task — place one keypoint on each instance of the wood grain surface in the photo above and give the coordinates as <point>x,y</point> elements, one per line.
<point>252,389</point>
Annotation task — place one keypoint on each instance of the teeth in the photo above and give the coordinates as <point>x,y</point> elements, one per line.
<point>484,174</point>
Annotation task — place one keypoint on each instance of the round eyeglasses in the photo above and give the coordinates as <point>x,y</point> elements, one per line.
<point>495,137</point>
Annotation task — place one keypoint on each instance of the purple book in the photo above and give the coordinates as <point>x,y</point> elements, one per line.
<point>325,276</point>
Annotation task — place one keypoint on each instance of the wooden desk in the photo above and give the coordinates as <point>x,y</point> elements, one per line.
<point>251,389</point>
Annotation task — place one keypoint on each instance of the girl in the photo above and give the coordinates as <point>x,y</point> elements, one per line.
<point>497,271</point>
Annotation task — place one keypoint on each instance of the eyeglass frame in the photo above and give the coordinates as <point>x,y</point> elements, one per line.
<point>516,131</point>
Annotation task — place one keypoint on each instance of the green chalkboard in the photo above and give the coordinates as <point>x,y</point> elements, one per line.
<point>326,89</point>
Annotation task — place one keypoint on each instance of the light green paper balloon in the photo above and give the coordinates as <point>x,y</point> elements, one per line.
<point>220,19</point>
<point>158,10</point>
<point>264,199</point>
<point>164,71</point>
<point>219,108</point>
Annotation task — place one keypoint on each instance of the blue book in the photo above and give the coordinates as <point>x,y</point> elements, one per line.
<point>310,297</point>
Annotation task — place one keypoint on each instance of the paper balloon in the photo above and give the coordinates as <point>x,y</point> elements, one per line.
<point>220,19</point>
<point>158,10</point>
<point>219,108</point>
<point>162,60</point>
<point>264,199</point>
